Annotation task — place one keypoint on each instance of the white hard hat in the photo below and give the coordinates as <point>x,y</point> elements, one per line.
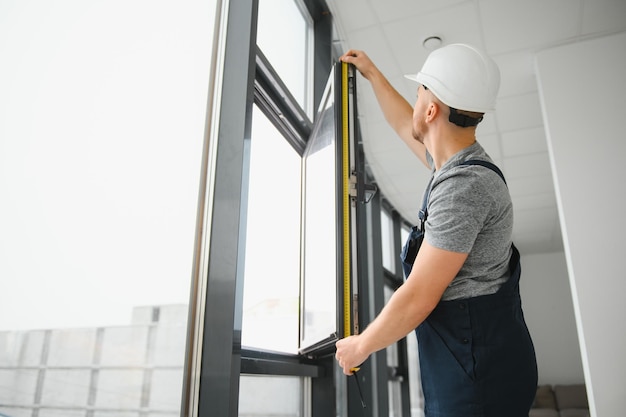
<point>462,77</point>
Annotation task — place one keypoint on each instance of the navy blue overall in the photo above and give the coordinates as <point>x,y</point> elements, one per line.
<point>476,356</point>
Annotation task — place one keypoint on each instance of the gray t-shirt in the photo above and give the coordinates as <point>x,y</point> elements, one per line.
<point>470,211</point>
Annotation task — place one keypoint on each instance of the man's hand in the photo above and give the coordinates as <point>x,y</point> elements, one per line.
<point>398,112</point>
<point>350,353</point>
<point>361,61</point>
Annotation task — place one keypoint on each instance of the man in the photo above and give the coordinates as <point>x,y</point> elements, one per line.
<point>462,296</point>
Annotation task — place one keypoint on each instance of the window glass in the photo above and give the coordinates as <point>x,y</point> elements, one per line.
<point>415,383</point>
<point>272,257</point>
<point>392,350</point>
<point>320,229</point>
<point>395,392</point>
<point>284,36</point>
<point>386,234</point>
<point>261,395</point>
<point>395,398</point>
<point>102,117</point>
<point>404,235</point>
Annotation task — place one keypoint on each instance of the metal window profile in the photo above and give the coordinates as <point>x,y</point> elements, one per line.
<point>212,363</point>
<point>259,362</point>
<point>279,105</point>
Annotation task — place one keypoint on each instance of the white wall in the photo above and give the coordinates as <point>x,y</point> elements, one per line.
<point>583,90</point>
<point>549,313</point>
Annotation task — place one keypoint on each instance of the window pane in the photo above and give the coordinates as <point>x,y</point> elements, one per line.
<point>404,235</point>
<point>395,392</point>
<point>320,229</point>
<point>395,398</point>
<point>415,383</point>
<point>272,267</point>
<point>264,396</point>
<point>386,234</point>
<point>392,350</point>
<point>283,36</point>
<point>102,116</point>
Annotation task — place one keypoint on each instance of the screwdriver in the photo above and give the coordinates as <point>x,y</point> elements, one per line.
<point>358,386</point>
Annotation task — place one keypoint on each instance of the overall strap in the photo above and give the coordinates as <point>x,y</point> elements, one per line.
<point>423,213</point>
<point>515,255</point>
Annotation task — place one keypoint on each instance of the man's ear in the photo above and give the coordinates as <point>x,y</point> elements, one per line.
<point>433,111</point>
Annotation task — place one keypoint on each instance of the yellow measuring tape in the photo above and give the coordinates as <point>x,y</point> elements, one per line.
<point>347,294</point>
<point>346,201</point>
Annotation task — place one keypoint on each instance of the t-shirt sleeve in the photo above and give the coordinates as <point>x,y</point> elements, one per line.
<point>457,210</point>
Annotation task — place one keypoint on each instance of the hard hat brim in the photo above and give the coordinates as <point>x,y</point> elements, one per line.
<point>434,87</point>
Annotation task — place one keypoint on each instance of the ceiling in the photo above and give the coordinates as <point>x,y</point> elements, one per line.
<point>392,32</point>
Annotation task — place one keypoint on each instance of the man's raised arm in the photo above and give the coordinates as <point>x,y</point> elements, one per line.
<point>398,112</point>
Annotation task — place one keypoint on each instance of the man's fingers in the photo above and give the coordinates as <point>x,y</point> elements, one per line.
<point>350,56</point>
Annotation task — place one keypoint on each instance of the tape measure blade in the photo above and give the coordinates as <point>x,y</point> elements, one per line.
<point>346,201</point>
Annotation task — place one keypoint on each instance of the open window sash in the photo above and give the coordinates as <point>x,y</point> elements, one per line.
<point>329,291</point>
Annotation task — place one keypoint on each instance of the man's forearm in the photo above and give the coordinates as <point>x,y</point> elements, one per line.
<point>400,316</point>
<point>411,304</point>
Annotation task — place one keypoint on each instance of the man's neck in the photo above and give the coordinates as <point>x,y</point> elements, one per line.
<point>449,143</point>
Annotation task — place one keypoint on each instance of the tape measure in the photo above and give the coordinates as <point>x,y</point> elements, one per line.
<point>346,200</point>
<point>347,294</point>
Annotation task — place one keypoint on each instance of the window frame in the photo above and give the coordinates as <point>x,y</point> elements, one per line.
<point>213,369</point>
<point>277,103</point>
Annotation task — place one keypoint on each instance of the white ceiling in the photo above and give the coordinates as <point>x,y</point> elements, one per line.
<point>391,32</point>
